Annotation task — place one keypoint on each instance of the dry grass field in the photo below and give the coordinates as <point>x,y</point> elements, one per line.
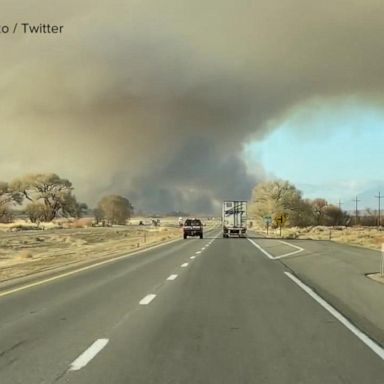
<point>369,237</point>
<point>26,248</point>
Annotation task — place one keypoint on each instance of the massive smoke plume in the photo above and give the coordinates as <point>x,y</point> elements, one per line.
<point>155,99</point>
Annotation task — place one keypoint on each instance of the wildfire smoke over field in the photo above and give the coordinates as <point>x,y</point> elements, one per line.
<point>156,99</point>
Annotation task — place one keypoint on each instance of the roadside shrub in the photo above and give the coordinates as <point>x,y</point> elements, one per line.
<point>6,215</point>
<point>37,212</point>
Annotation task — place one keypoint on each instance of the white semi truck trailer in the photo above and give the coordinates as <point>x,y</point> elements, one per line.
<point>234,217</point>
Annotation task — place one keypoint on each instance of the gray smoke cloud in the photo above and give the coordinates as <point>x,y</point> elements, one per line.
<point>155,99</point>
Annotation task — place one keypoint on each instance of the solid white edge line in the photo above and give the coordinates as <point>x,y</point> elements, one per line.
<point>288,254</point>
<point>292,245</point>
<point>88,354</point>
<point>172,277</point>
<point>262,250</point>
<point>335,313</point>
<point>111,260</point>
<point>147,299</point>
<point>299,249</point>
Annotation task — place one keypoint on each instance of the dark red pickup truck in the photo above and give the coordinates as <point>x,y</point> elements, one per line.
<point>193,227</point>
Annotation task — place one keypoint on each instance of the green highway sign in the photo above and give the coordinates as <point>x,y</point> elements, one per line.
<point>268,219</point>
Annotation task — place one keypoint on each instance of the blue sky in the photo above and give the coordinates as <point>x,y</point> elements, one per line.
<point>331,151</point>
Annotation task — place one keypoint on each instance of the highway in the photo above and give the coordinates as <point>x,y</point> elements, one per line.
<point>210,311</point>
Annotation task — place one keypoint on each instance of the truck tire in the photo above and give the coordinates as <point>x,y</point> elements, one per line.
<point>185,236</point>
<point>201,236</point>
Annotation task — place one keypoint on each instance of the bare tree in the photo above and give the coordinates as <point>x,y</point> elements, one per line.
<point>369,217</point>
<point>318,206</point>
<point>332,215</point>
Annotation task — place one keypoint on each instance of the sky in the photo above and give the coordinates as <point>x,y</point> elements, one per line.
<point>175,104</point>
<point>342,158</point>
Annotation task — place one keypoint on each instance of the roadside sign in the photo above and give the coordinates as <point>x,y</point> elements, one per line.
<point>281,219</point>
<point>268,221</point>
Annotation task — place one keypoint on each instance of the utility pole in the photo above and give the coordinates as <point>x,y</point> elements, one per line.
<point>379,198</point>
<point>341,218</point>
<point>356,200</point>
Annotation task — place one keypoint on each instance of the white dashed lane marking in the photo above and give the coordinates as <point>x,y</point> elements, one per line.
<point>172,277</point>
<point>147,299</point>
<point>184,265</point>
<point>88,354</point>
<point>193,257</point>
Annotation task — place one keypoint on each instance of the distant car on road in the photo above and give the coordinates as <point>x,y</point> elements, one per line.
<point>193,227</point>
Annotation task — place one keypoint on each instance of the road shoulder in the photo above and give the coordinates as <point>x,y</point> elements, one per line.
<point>338,273</point>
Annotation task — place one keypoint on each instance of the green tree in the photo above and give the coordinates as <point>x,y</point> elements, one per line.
<point>98,214</point>
<point>8,198</point>
<point>54,192</point>
<point>71,207</point>
<point>114,209</point>
<point>277,198</point>
<point>37,212</point>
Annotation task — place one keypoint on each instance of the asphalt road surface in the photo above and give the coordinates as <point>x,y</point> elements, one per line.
<point>211,311</point>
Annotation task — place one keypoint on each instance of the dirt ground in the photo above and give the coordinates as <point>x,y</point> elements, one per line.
<point>23,252</point>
